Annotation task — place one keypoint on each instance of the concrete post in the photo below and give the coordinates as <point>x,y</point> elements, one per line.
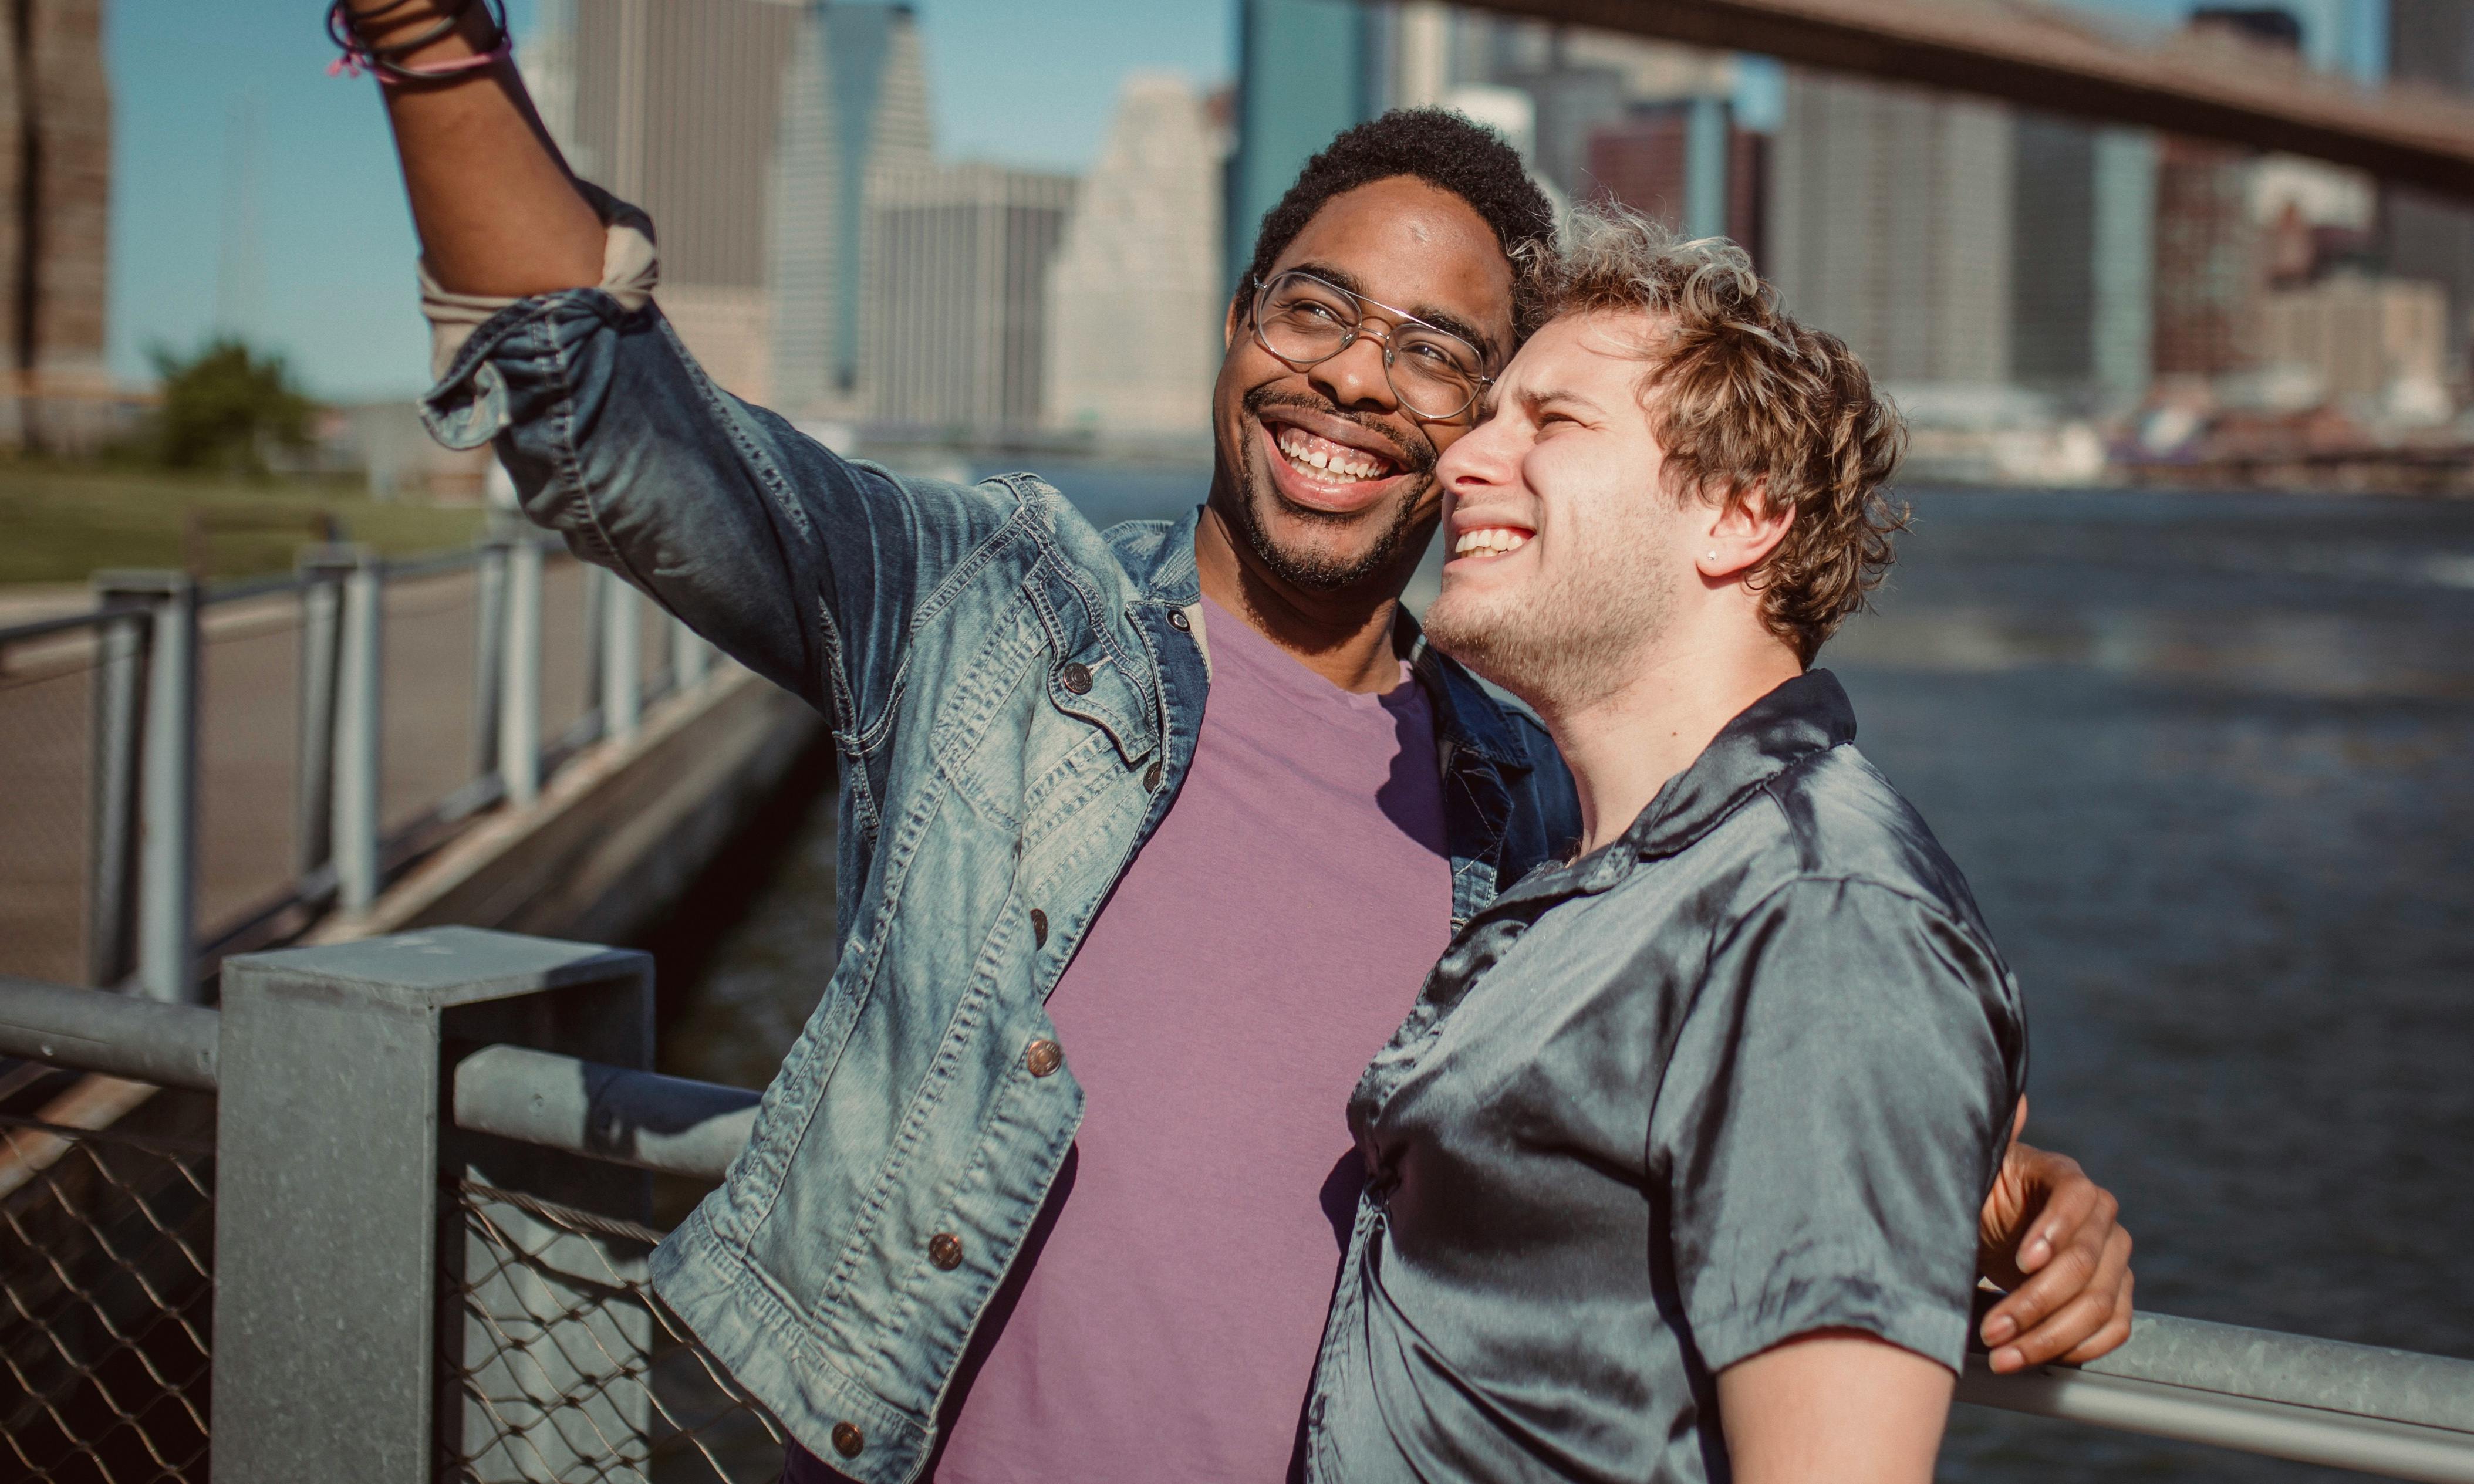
<point>519,677</point>
<point>622,659</point>
<point>335,1160</point>
<point>111,811</point>
<point>321,569</point>
<point>355,834</point>
<point>167,812</point>
<point>1704,168</point>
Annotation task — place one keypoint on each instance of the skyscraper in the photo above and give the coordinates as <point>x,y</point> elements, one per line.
<point>1645,160</point>
<point>856,101</point>
<point>1136,300</point>
<point>1307,69</point>
<point>2082,276</point>
<point>56,178</point>
<point>953,313</point>
<point>675,108</point>
<point>2432,42</point>
<point>1889,225</point>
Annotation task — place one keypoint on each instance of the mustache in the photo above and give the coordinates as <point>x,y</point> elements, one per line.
<point>1418,455</point>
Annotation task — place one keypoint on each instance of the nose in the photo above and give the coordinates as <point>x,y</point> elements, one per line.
<point>1355,377</point>
<point>1480,459</point>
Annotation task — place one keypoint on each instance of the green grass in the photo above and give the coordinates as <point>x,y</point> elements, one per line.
<point>60,522</point>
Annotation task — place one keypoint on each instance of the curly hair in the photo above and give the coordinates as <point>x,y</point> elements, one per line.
<point>1750,406</point>
<point>1448,151</point>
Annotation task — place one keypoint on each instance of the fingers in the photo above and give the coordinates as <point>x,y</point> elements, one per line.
<point>2075,1209</point>
<point>2077,1309</point>
<point>2019,1119</point>
<point>2116,1330</point>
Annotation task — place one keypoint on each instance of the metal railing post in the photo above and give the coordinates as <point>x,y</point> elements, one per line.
<point>622,659</point>
<point>323,570</point>
<point>332,1150</point>
<point>355,833</point>
<point>167,811</point>
<point>691,657</point>
<point>111,814</point>
<point>488,653</point>
<point>597,582</point>
<point>519,744</point>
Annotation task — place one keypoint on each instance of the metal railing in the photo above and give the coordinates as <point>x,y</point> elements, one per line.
<point>527,1345</point>
<point>200,771</point>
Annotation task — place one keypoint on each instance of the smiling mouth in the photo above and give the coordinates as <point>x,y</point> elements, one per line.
<point>1323,462</point>
<point>1490,542</point>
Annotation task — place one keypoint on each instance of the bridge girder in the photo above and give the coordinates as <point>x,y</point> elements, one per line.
<point>2037,56</point>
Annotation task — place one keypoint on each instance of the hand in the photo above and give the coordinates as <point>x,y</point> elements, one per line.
<point>2048,1234</point>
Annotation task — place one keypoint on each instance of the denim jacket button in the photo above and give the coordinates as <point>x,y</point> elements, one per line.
<point>1178,620</point>
<point>1152,777</point>
<point>945,1249</point>
<point>1043,1057</point>
<point>1077,677</point>
<point>1038,929</point>
<point>847,1440</point>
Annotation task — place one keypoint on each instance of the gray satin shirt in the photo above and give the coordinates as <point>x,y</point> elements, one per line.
<point>1745,1073</point>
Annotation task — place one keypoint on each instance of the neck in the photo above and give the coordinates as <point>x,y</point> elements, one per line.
<point>1343,637</point>
<point>1622,745</point>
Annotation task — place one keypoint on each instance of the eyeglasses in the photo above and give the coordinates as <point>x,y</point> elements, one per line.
<point>1306,322</point>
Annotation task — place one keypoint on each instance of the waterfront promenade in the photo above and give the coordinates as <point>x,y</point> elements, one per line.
<point>249,743</point>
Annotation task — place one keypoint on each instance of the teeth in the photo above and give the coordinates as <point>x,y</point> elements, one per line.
<point>1338,462</point>
<point>1490,542</point>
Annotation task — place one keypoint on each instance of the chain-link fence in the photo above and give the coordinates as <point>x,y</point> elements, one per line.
<point>556,1362</point>
<point>107,1263</point>
<point>559,1364</point>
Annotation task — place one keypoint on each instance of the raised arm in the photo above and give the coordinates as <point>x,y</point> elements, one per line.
<point>495,206</point>
<point>803,566</point>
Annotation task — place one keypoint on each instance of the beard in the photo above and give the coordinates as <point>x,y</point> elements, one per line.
<point>1569,638</point>
<point>1316,571</point>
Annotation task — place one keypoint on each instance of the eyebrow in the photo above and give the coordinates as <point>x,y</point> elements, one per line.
<point>1440,319</point>
<point>1537,400</point>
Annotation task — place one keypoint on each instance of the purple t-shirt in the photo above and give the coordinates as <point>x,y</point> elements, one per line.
<point>1163,1320</point>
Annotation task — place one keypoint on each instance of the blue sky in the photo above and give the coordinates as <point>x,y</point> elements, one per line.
<point>1026,84</point>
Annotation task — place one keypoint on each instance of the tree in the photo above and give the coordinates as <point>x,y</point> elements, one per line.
<point>226,406</point>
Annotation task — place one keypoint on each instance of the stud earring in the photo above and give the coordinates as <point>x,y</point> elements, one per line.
<point>1713,555</point>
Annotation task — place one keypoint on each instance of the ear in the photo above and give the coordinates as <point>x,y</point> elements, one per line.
<point>1744,527</point>
<point>1228,327</point>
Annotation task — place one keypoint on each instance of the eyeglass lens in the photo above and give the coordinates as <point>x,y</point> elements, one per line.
<point>1303,320</point>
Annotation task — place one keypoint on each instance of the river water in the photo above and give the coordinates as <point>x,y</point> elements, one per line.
<point>2208,760</point>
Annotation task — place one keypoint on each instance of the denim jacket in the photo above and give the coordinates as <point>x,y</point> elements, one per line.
<point>1014,695</point>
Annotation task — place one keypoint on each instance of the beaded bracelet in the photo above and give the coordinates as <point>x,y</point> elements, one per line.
<point>343,28</point>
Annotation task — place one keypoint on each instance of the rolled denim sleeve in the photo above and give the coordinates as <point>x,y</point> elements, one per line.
<point>805,566</point>
<point>1833,1114</point>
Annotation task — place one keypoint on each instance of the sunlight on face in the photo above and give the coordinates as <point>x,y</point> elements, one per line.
<point>1328,478</point>
<point>1566,557</point>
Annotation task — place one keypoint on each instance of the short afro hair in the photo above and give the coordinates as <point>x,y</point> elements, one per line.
<point>1448,151</point>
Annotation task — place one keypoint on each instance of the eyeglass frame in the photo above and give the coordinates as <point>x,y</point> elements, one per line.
<point>1382,336</point>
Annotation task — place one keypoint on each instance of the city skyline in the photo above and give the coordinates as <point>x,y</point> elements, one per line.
<point>331,214</point>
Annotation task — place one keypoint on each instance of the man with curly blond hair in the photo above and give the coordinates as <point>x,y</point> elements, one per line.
<point>1674,1173</point>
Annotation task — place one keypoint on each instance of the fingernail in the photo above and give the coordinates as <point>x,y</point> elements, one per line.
<point>2010,1359</point>
<point>2035,1252</point>
<point>1999,1327</point>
